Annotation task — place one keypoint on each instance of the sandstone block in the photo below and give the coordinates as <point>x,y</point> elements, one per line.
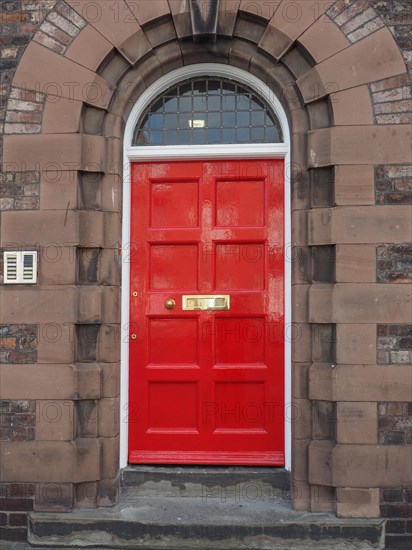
<point>357,423</point>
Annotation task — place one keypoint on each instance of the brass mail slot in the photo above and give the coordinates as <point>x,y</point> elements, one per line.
<point>205,302</point>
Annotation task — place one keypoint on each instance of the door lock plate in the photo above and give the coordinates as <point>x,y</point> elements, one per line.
<point>192,302</point>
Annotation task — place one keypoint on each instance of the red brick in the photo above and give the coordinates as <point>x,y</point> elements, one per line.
<point>28,117</point>
<point>397,510</point>
<point>13,534</point>
<point>66,11</point>
<point>404,118</point>
<point>8,343</point>
<point>389,83</point>
<point>22,490</point>
<point>56,33</point>
<point>367,14</point>
<point>344,10</point>
<point>396,94</point>
<point>49,42</point>
<point>18,520</point>
<point>13,17</point>
<point>63,24</point>
<point>16,504</point>
<point>365,30</point>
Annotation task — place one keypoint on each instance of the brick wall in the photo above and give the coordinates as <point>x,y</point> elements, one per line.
<point>396,505</point>
<point>393,184</point>
<point>17,423</point>
<point>395,423</point>
<point>394,344</point>
<point>18,343</point>
<point>19,21</point>
<point>397,15</point>
<point>16,500</point>
<point>17,420</point>
<point>19,190</point>
<point>394,263</point>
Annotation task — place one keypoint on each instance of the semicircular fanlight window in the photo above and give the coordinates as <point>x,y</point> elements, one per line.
<point>207,110</point>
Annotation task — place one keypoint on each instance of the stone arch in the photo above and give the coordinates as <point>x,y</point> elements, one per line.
<point>318,68</point>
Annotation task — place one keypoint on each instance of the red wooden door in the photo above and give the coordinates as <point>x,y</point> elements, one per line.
<point>206,386</point>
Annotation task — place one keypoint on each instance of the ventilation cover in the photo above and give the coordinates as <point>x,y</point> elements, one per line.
<point>20,267</point>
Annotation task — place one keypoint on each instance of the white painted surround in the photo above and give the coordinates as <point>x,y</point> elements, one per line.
<point>196,152</point>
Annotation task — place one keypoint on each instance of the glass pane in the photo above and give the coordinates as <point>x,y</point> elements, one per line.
<point>170,104</point>
<point>156,137</point>
<point>213,103</point>
<point>228,119</point>
<point>185,89</point>
<point>156,121</point>
<point>198,137</point>
<point>257,134</point>
<point>185,104</point>
<point>171,121</point>
<point>242,135</point>
<point>207,110</point>
<point>183,121</point>
<point>272,135</point>
<point>242,102</point>
<point>214,135</point>
<point>242,118</point>
<point>200,86</point>
<point>157,105</point>
<point>170,137</point>
<point>229,135</point>
<point>257,105</point>
<point>184,137</point>
<point>229,88</point>
<point>257,118</point>
<point>199,103</point>
<point>214,87</point>
<point>213,120</point>
<point>142,138</point>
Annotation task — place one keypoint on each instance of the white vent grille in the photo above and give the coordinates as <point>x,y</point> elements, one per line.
<point>20,267</point>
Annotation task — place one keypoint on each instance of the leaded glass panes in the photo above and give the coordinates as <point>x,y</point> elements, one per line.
<point>207,111</point>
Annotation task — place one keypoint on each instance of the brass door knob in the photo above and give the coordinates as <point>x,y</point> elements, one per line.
<point>170,304</point>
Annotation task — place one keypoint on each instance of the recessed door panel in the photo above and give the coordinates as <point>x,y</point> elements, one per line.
<point>207,286</point>
<point>173,266</point>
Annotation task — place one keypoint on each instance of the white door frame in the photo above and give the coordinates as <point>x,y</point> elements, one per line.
<point>196,152</point>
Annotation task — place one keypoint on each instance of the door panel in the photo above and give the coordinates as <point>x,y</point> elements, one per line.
<point>206,386</point>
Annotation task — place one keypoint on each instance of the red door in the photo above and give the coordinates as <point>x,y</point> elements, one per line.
<point>206,321</point>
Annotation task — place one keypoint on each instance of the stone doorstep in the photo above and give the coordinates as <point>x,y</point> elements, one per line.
<point>197,481</point>
<point>205,508</point>
<point>190,507</point>
<point>189,523</point>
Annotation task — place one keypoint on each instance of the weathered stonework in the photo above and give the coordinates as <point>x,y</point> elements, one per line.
<point>16,500</point>
<point>24,112</point>
<point>19,191</point>
<point>396,505</point>
<point>60,28</point>
<point>18,343</point>
<point>356,18</point>
<point>396,14</point>
<point>394,344</point>
<point>394,263</point>
<point>393,184</point>
<point>392,103</point>
<point>17,420</point>
<point>395,423</point>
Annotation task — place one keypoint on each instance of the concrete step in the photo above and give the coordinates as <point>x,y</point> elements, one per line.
<point>205,523</point>
<point>217,482</point>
